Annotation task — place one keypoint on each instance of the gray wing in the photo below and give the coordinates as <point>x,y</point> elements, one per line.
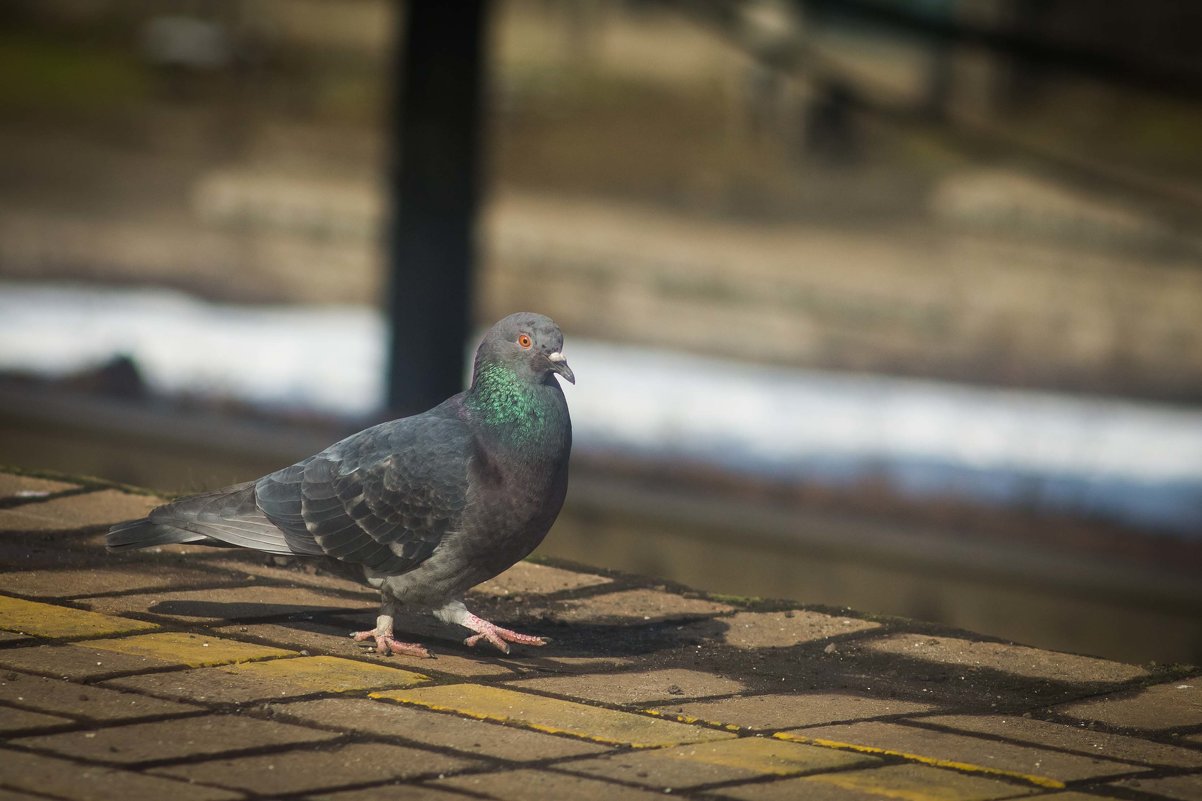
<point>384,498</point>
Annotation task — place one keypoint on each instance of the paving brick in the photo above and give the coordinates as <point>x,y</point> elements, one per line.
<point>277,678</point>
<point>79,701</point>
<point>469,735</point>
<point>784,629</point>
<point>75,661</point>
<point>35,773</point>
<point>553,716</point>
<point>191,650</point>
<point>325,635</point>
<point>234,603</point>
<point>71,582</point>
<point>1162,706</point>
<point>174,739</point>
<point>1072,738</point>
<point>12,636</point>
<point>971,754</point>
<point>49,620</point>
<point>907,782</point>
<point>136,653</point>
<point>1183,788</point>
<point>1014,659</point>
<point>389,792</point>
<point>527,578</point>
<point>310,769</point>
<point>639,687</point>
<point>14,486</point>
<point>90,510</point>
<point>689,766</point>
<point>790,710</point>
<point>523,785</point>
<point>21,720</point>
<point>637,605</point>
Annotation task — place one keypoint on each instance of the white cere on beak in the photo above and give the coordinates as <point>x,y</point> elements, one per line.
<point>556,357</point>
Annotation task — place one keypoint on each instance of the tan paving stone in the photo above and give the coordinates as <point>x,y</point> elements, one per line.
<point>19,720</point>
<point>1182,788</point>
<point>525,785</point>
<point>1014,659</point>
<point>276,678</point>
<point>389,792</point>
<point>784,629</point>
<point>553,715</point>
<point>232,603</point>
<point>637,605</point>
<point>311,770</point>
<point>637,687</point>
<point>35,773</point>
<point>77,662</point>
<point>697,764</point>
<point>174,739</point>
<point>527,578</point>
<point>790,710</point>
<point>190,650</point>
<point>1161,706</point>
<point>51,620</point>
<point>89,510</point>
<point>82,701</point>
<point>1072,738</point>
<point>13,636</point>
<point>70,582</point>
<point>14,486</point>
<point>972,754</point>
<point>913,783</point>
<point>469,735</point>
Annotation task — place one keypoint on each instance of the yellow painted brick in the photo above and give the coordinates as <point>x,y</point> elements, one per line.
<point>326,674</point>
<point>192,650</point>
<point>48,620</point>
<point>918,783</point>
<point>554,716</point>
<point>923,759</point>
<point>766,755</point>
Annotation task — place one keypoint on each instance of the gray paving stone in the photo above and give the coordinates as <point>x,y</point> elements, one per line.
<point>30,488</point>
<point>527,578</point>
<point>1072,738</point>
<point>233,603</point>
<point>790,710</point>
<point>21,720</point>
<point>1014,659</point>
<point>174,739</point>
<point>475,737</point>
<point>35,773</point>
<point>788,628</point>
<point>90,510</point>
<point>637,687</point>
<point>54,696</point>
<point>641,605</point>
<point>524,785</point>
<point>906,782</point>
<point>1180,788</point>
<point>987,755</point>
<point>309,770</point>
<point>1161,706</point>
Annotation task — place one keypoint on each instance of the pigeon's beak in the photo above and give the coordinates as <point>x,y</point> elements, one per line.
<point>559,364</point>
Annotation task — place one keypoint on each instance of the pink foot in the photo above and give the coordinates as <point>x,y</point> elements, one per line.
<point>387,644</point>
<point>496,635</point>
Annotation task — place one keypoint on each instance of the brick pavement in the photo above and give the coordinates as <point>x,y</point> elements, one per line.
<point>189,673</point>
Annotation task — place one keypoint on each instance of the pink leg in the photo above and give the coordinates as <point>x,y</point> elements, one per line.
<point>495,634</point>
<point>387,644</point>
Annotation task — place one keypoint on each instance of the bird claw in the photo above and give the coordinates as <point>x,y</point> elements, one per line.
<point>386,644</point>
<point>496,635</point>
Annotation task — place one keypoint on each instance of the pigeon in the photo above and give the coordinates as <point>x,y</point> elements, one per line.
<point>426,506</point>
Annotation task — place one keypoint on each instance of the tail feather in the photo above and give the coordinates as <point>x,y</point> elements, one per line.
<point>229,517</point>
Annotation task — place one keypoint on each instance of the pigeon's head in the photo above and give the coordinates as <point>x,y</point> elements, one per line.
<point>528,344</point>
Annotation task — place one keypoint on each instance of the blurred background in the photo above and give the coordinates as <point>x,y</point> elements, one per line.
<point>873,303</point>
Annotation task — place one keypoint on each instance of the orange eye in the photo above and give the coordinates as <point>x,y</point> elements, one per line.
<point>525,341</point>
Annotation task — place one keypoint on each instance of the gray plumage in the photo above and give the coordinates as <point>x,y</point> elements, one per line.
<point>428,506</point>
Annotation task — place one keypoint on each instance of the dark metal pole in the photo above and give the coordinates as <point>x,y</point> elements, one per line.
<point>435,191</point>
